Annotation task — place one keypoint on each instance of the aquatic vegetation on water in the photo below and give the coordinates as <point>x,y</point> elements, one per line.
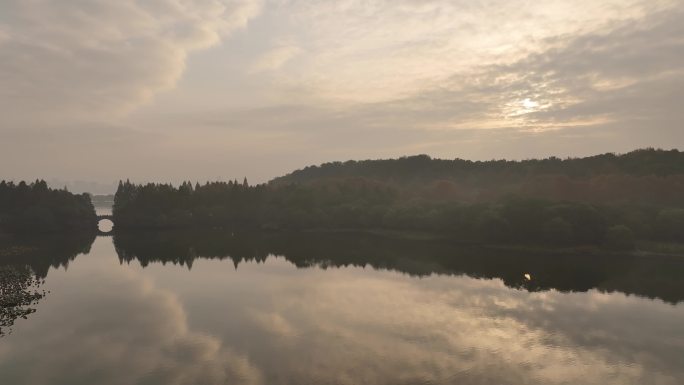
<point>19,293</point>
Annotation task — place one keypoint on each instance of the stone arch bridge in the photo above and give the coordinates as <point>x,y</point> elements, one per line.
<point>102,218</point>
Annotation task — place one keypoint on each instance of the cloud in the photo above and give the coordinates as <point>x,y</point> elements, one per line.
<point>381,50</point>
<point>564,87</point>
<point>630,72</point>
<point>76,60</point>
<point>307,82</point>
<point>275,59</point>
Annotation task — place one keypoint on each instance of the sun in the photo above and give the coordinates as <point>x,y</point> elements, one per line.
<point>529,104</point>
<point>519,107</point>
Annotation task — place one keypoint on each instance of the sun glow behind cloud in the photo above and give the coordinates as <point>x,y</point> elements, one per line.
<point>369,52</point>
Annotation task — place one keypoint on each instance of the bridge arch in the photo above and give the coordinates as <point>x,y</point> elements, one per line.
<point>101,218</point>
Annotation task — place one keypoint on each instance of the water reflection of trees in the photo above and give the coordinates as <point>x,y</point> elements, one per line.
<point>40,253</point>
<point>644,276</point>
<point>24,264</point>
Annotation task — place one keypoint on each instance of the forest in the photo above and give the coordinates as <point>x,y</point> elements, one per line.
<point>646,176</point>
<point>37,208</point>
<point>607,200</point>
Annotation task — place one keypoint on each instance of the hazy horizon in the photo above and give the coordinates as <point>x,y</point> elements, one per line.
<point>165,90</point>
<point>109,187</point>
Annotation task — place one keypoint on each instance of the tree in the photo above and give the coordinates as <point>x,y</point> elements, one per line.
<point>36,207</point>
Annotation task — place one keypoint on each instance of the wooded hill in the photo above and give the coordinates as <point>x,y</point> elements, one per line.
<point>603,200</point>
<point>646,176</point>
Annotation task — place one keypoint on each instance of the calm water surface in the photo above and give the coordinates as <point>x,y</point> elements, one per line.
<point>188,309</point>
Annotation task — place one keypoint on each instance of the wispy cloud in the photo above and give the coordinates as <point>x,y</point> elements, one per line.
<point>74,60</point>
<point>374,51</point>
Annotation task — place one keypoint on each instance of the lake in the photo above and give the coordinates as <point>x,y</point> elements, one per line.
<point>224,308</point>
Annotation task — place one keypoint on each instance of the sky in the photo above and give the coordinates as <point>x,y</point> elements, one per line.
<point>172,90</point>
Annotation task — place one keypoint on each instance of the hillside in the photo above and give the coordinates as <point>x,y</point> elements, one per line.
<point>646,176</point>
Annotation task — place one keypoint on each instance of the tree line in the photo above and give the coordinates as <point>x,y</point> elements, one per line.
<point>36,208</point>
<point>641,162</point>
<point>400,195</point>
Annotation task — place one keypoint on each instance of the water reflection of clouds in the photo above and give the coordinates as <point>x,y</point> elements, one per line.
<point>387,328</point>
<point>343,326</point>
<point>124,330</point>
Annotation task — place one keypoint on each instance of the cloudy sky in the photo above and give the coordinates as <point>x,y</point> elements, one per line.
<point>168,90</point>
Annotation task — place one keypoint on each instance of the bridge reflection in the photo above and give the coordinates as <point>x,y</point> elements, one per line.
<point>100,231</point>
